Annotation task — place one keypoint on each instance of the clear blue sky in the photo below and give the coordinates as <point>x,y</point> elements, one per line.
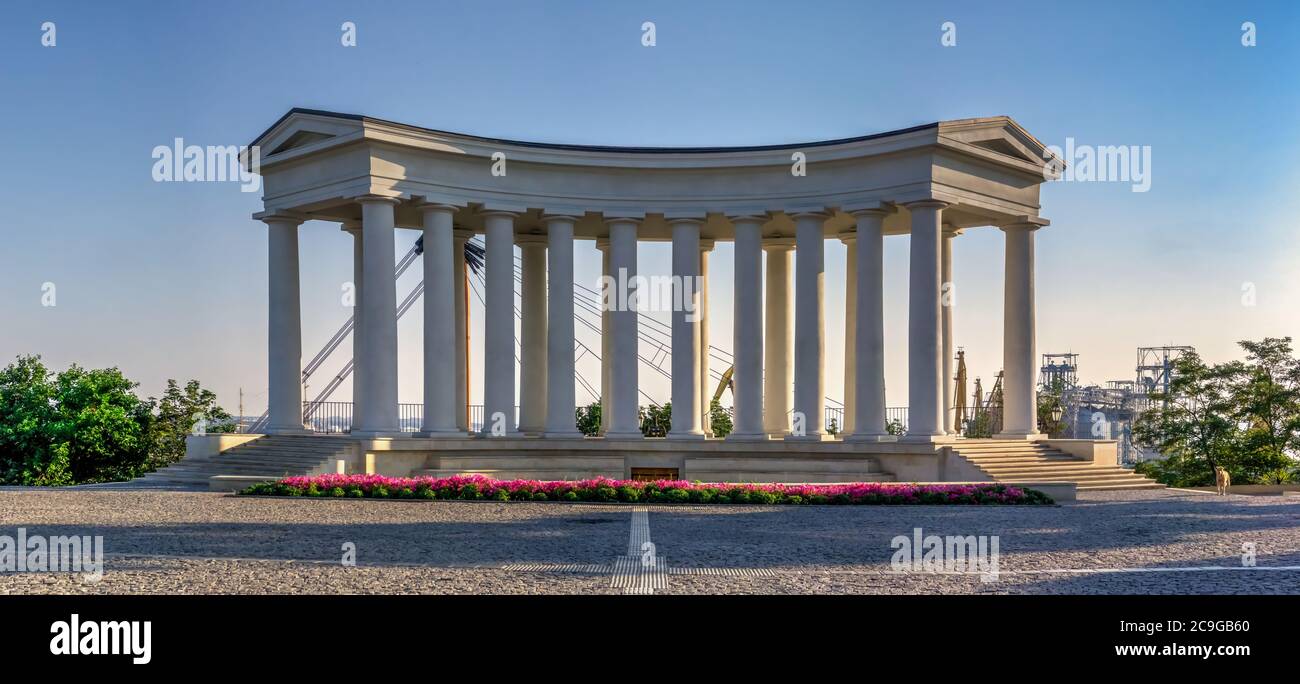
<point>168,280</point>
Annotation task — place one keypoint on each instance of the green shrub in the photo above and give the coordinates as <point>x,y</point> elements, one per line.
<point>470,491</point>
<point>570,496</point>
<point>629,494</point>
<point>540,496</point>
<point>676,496</point>
<point>336,491</point>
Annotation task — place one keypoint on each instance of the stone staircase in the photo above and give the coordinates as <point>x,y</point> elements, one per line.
<point>1016,461</point>
<point>270,456</point>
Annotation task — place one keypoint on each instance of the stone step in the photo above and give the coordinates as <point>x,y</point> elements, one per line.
<point>1062,475</point>
<point>544,474</point>
<point>1144,484</point>
<point>1027,459</point>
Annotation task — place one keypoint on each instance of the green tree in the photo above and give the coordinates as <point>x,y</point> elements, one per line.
<point>104,426</point>
<point>655,420</point>
<point>719,419</point>
<point>182,411</point>
<point>27,412</point>
<point>82,425</point>
<point>1266,392</point>
<point>588,419</point>
<point>1192,424</point>
<point>1049,401</point>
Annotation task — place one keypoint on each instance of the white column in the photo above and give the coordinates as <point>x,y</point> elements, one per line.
<point>377,414</point>
<point>924,362</point>
<point>353,228</point>
<point>532,335</point>
<point>439,308</point>
<point>687,258</point>
<point>869,334</point>
<point>705,380</point>
<point>606,357</point>
<point>561,394</point>
<point>747,330</point>
<point>284,328</point>
<point>946,304</point>
<point>459,238</point>
<point>809,325</point>
<point>499,326</point>
<point>624,420</point>
<point>778,354</point>
<point>850,240</point>
<point>1020,401</point>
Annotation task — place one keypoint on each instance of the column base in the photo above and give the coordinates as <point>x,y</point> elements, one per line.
<point>379,434</point>
<point>746,437</point>
<point>688,436</point>
<point>573,434</point>
<point>288,431</point>
<point>1024,436</point>
<point>624,435</point>
<point>927,439</point>
<point>871,439</point>
<point>816,437</point>
<point>511,434</point>
<point>442,434</point>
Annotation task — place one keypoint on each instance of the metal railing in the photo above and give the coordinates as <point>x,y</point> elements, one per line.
<point>336,417</point>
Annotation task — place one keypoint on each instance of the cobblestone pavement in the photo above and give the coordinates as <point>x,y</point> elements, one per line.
<point>1109,542</point>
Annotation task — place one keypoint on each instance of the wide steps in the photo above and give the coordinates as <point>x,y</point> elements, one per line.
<point>1025,462</point>
<point>270,457</point>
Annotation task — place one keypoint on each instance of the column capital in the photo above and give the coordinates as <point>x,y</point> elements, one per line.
<point>624,218</point>
<point>351,227</point>
<point>951,231</point>
<point>760,219</point>
<point>929,203</point>
<point>1025,223</point>
<point>279,216</point>
<point>549,218</point>
<point>674,220</point>
<point>369,199</point>
<point>818,214</point>
<point>462,235</point>
<point>706,244</point>
<point>848,236</point>
<point>602,243</point>
<point>487,213</point>
<point>881,209</point>
<point>778,244</point>
<point>427,207</point>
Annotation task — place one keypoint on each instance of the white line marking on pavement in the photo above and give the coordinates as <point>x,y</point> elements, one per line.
<point>642,570</point>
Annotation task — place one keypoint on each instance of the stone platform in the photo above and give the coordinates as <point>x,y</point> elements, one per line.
<point>1091,463</point>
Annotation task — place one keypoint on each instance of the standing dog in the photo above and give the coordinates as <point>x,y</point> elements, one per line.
<point>1222,480</point>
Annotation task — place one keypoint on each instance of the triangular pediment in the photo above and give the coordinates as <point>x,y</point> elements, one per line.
<point>1000,135</point>
<point>301,128</point>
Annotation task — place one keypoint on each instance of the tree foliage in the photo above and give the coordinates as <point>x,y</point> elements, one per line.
<point>1243,416</point>
<point>83,426</point>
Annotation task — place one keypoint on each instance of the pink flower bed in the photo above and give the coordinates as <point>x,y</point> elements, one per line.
<point>471,487</point>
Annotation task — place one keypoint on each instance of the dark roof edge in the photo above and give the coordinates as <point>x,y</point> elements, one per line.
<point>597,148</point>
